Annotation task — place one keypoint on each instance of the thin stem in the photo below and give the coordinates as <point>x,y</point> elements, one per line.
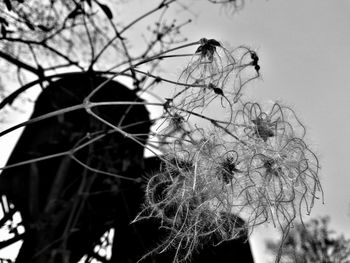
<point>130,25</point>
<point>87,105</point>
<point>20,63</point>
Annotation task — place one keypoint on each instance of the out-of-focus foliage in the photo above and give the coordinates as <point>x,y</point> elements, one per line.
<point>314,242</point>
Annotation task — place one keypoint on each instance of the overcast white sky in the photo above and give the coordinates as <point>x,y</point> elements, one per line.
<point>305,63</point>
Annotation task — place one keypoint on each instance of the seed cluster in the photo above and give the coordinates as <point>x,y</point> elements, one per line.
<point>251,167</point>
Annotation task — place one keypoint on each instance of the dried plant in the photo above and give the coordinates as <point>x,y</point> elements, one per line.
<point>228,164</point>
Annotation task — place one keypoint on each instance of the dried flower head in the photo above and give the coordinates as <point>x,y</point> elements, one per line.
<point>188,198</point>
<point>268,176</point>
<point>206,76</point>
<point>253,165</point>
<point>253,122</point>
<point>215,72</point>
<point>207,49</point>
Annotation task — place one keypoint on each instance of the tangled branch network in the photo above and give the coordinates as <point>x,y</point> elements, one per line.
<point>249,163</point>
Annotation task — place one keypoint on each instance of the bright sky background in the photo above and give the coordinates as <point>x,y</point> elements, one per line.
<point>305,62</point>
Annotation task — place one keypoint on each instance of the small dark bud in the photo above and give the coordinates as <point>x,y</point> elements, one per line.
<point>199,49</point>
<point>74,13</point>
<point>106,10</point>
<point>254,57</point>
<point>166,104</point>
<point>218,91</point>
<point>213,42</point>
<point>215,89</point>
<point>159,36</point>
<point>44,28</point>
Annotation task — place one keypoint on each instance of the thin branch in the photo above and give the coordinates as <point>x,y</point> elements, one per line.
<point>20,63</point>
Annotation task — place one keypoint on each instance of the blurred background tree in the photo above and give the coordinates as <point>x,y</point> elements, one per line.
<point>313,242</point>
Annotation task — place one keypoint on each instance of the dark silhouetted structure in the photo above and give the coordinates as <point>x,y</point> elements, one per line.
<point>68,201</point>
